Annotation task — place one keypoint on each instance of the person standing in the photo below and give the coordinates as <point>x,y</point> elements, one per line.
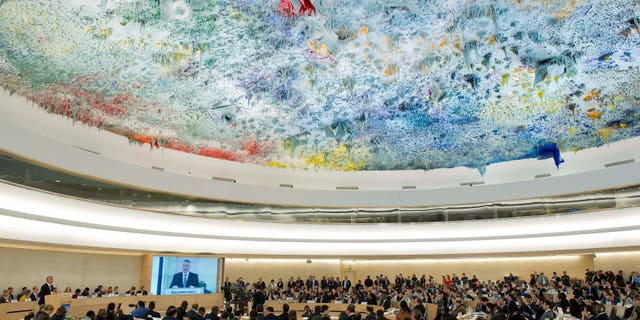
<point>226,289</point>
<point>46,289</point>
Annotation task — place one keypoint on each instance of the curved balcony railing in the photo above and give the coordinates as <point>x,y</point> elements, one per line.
<point>27,174</point>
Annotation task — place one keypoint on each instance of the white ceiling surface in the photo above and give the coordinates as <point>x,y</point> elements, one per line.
<point>34,216</point>
<point>26,130</point>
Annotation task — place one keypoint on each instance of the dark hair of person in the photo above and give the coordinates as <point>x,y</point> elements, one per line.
<point>171,311</point>
<point>404,306</point>
<point>61,311</point>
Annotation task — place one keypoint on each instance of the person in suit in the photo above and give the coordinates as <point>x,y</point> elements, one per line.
<point>60,314</point>
<point>151,310</point>
<point>171,313</point>
<point>45,313</point>
<point>46,289</point>
<point>5,297</point>
<point>193,314</point>
<point>186,278</point>
<point>213,315</point>
<point>385,300</point>
<point>348,313</point>
<point>370,314</point>
<point>258,297</point>
<point>511,305</point>
<point>368,282</point>
<point>285,312</point>
<point>34,293</point>
<point>226,289</point>
<point>548,313</point>
<point>346,284</point>
<point>181,311</point>
<point>269,315</point>
<point>482,305</point>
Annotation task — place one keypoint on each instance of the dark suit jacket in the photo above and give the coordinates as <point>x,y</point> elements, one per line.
<point>271,316</point>
<point>511,307</point>
<point>45,290</point>
<point>180,314</point>
<point>153,314</point>
<point>386,303</point>
<point>192,280</point>
<point>193,315</point>
<point>258,298</point>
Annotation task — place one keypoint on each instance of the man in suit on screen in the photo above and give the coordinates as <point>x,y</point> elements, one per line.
<point>185,279</point>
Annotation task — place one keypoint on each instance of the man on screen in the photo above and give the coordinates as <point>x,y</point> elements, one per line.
<point>185,279</point>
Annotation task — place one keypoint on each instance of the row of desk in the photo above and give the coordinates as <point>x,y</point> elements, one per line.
<point>79,307</point>
<point>432,309</point>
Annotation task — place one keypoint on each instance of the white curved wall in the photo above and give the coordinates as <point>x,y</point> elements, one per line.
<point>29,132</point>
<point>27,215</point>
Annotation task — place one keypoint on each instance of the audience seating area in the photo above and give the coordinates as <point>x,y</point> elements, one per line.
<point>598,296</point>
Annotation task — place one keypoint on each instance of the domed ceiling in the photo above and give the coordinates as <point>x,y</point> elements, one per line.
<point>339,85</point>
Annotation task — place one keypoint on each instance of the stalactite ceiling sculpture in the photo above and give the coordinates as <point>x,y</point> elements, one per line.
<point>334,84</point>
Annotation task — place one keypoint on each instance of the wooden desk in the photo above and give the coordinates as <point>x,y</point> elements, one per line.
<point>17,310</point>
<point>432,310</point>
<point>79,307</point>
<point>617,310</point>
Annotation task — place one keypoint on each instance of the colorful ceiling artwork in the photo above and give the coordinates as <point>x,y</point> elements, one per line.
<point>334,84</point>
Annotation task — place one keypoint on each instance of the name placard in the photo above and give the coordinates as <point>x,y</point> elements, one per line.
<point>183,291</point>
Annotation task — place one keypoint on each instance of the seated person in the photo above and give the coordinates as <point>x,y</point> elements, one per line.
<point>151,311</point>
<point>140,311</point>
